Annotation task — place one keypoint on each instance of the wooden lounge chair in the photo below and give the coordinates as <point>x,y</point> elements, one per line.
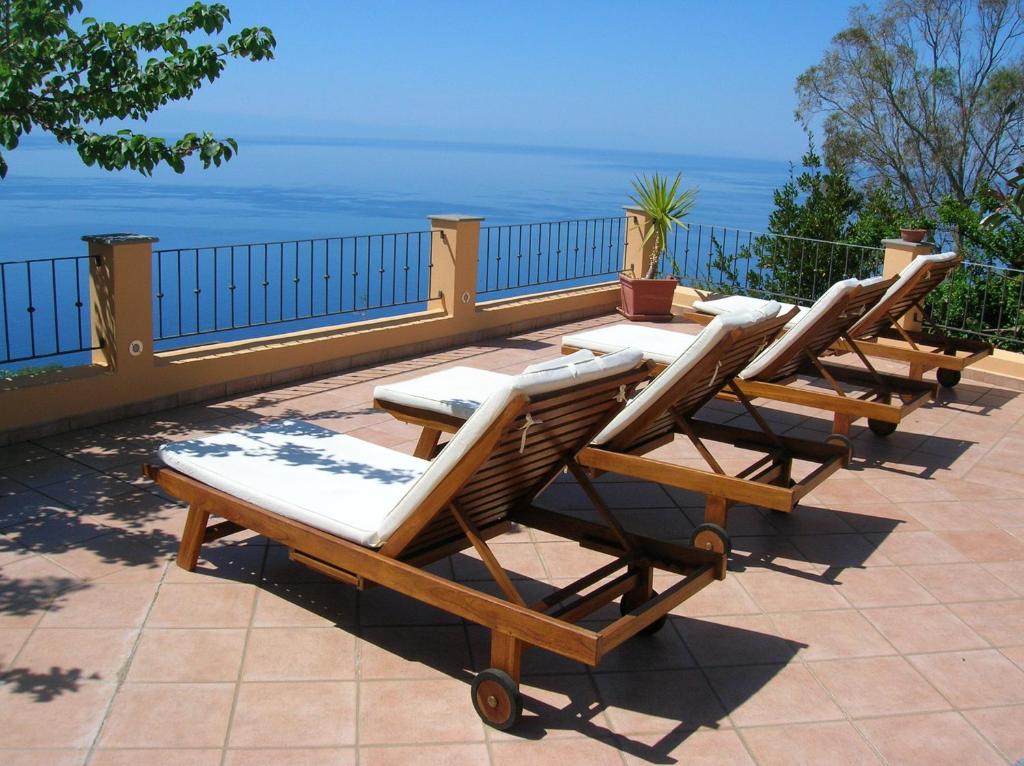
<point>667,406</point>
<point>367,515</point>
<point>883,399</point>
<point>879,334</point>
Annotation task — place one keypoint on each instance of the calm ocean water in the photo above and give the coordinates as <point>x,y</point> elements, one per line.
<point>284,189</point>
<point>280,190</point>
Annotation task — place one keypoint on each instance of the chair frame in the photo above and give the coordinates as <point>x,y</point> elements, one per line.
<point>461,514</point>
<point>886,398</point>
<point>767,482</point>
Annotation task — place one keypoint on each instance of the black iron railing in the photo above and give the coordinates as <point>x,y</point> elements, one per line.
<point>982,301</point>
<point>214,291</point>
<point>555,254</point>
<point>44,309</point>
<point>794,269</point>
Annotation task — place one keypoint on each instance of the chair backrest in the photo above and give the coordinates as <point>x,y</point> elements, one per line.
<point>823,324</point>
<point>721,350</point>
<point>914,282</point>
<point>513,446</point>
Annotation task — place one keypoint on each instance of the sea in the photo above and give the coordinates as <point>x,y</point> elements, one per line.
<point>285,188</point>
<point>296,190</point>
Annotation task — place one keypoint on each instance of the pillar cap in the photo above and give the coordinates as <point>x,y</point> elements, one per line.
<point>902,244</point>
<point>119,238</point>
<point>455,217</point>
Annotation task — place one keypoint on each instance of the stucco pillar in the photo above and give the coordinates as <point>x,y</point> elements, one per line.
<point>639,254</point>
<point>121,299</point>
<point>454,251</point>
<point>898,253</point>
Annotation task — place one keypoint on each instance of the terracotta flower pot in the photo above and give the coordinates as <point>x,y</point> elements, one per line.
<point>647,300</point>
<point>913,235</point>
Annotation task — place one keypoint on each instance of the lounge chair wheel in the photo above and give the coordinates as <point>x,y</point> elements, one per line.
<point>842,440</point>
<point>497,699</point>
<point>711,537</point>
<point>881,427</point>
<point>628,604</point>
<point>947,378</point>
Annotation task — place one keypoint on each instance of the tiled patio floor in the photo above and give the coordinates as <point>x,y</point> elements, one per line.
<point>882,622</point>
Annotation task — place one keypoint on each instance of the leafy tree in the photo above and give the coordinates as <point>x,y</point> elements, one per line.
<point>799,257</point>
<point>917,93</point>
<point>67,81</point>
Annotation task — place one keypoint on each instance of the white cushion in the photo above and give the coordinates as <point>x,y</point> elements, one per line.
<point>337,483</point>
<point>457,391</point>
<point>346,486</point>
<point>706,342</point>
<point>661,346</point>
<point>908,272</point>
<point>793,340</point>
<point>734,303</point>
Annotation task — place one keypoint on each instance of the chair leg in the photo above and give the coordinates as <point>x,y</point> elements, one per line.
<point>192,537</point>
<point>427,444</point>
<point>715,510</point>
<point>506,653</point>
<point>841,424</point>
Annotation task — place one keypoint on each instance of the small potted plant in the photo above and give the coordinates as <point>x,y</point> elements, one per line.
<point>916,228</point>
<point>647,297</point>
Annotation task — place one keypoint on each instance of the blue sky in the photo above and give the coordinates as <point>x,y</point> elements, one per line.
<point>698,77</point>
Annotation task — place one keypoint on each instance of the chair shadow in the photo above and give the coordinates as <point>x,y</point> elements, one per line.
<point>632,684</point>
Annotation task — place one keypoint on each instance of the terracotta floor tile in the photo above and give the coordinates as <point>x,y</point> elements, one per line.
<point>739,640</point>
<point>417,711</point>
<point>1009,572</point>
<point>661,650</point>
<point>51,710</point>
<point>810,744</point>
<point>413,652</point>
<point>961,582</point>
<point>294,714</point>
<point>11,641</point>
<point>880,586</point>
<point>758,695</point>
<point>1014,653</point>
<point>784,592</point>
<point>660,701</point>
<point>325,756</point>
<point>942,739</point>
<point>916,629</point>
<point>569,559</point>
<point>31,586</point>
<point>558,706</point>
<point>242,562</point>
<point>94,654</point>
<point>101,606</point>
<point>1001,623</point>
<point>877,686</point>
<point>881,518</point>
<point>562,751</point>
<point>208,605</point>
<point>187,655</point>
<point>973,678</point>
<point>727,597</point>
<point>381,606</point>
<point>305,605</point>
<point>50,470</point>
<point>705,747</point>
<point>442,755</point>
<point>994,545</point>
<point>829,635</point>
<point>519,561</point>
<point>115,557</point>
<point>165,715</point>
<point>924,547</point>
<point>1001,726</point>
<point>44,757</point>
<point>203,757</point>
<point>844,550</point>
<point>299,654</point>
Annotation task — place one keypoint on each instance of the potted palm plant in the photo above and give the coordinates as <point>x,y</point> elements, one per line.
<point>648,297</point>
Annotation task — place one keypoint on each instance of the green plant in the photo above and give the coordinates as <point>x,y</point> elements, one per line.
<point>666,206</point>
<point>67,82</point>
